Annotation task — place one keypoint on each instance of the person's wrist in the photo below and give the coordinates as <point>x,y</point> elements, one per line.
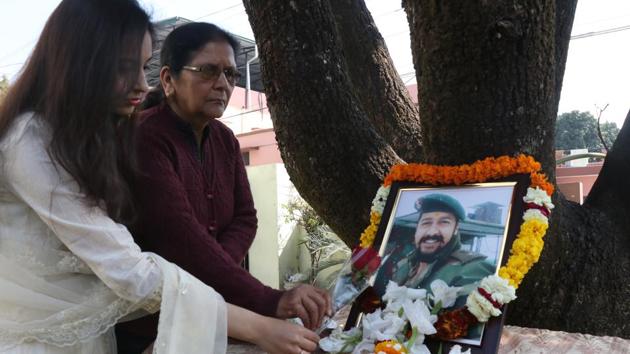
<point>279,313</point>
<point>254,329</point>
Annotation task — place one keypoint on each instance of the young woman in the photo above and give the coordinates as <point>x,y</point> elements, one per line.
<point>69,270</point>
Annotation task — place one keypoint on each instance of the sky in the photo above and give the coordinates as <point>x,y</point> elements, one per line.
<point>597,71</point>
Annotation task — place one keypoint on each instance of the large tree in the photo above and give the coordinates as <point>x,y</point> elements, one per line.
<point>489,77</point>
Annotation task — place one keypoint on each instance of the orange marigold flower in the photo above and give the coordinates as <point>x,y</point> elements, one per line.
<point>454,324</point>
<point>539,180</point>
<point>479,171</point>
<point>390,347</point>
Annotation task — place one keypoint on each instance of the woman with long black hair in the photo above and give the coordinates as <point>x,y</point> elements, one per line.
<point>69,269</point>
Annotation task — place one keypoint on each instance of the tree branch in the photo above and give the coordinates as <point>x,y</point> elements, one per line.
<point>600,111</point>
<point>613,184</point>
<point>375,80</point>
<point>565,13</point>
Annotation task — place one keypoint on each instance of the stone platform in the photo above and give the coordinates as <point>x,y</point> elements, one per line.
<point>519,340</point>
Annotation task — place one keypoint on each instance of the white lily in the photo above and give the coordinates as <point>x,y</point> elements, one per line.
<point>395,295</point>
<point>365,346</point>
<point>458,350</point>
<point>444,293</point>
<point>397,322</point>
<point>376,327</point>
<point>419,316</point>
<point>339,340</point>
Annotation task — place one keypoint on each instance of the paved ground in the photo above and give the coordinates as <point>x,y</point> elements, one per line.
<point>519,340</point>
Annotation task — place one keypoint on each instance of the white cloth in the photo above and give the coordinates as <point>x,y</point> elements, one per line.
<point>186,314</point>
<point>68,272</point>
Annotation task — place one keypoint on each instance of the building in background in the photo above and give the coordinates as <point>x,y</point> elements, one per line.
<point>575,178</point>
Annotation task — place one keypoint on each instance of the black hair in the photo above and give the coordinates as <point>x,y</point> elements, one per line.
<point>180,46</point>
<point>70,81</point>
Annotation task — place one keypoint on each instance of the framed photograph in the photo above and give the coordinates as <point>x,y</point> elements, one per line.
<point>457,234</point>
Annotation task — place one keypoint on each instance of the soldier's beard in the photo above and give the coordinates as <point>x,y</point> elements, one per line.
<point>418,256</point>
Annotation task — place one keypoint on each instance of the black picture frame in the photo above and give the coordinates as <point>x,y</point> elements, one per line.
<point>491,335</point>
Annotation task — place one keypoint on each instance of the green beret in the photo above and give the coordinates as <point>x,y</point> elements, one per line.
<point>440,202</point>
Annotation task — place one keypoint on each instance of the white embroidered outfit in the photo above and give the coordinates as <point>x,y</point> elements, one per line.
<point>68,272</point>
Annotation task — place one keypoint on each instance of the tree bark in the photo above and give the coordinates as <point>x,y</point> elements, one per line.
<point>489,76</point>
<point>581,282</point>
<point>330,149</point>
<point>486,73</point>
<point>565,13</point>
<point>375,81</point>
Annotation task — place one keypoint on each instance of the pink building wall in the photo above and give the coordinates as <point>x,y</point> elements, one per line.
<point>258,99</point>
<point>261,146</point>
<point>568,178</point>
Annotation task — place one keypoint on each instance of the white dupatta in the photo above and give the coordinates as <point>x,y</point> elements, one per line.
<point>193,317</point>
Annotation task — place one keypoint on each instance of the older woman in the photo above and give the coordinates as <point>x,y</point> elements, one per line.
<point>194,200</point>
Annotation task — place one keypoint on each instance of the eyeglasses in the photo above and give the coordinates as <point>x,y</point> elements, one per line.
<point>213,72</point>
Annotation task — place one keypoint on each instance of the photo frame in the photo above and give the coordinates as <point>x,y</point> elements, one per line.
<point>488,219</point>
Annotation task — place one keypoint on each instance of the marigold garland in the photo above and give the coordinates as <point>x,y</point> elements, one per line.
<point>367,237</point>
<point>540,180</point>
<point>493,291</point>
<point>525,251</point>
<point>528,245</point>
<point>490,168</point>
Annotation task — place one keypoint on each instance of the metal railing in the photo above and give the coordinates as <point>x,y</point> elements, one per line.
<point>579,156</point>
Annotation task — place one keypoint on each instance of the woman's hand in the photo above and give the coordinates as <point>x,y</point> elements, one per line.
<point>307,302</point>
<point>281,337</point>
<point>273,335</point>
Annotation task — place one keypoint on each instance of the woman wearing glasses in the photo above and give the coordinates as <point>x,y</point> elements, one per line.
<point>194,201</point>
<point>69,269</point>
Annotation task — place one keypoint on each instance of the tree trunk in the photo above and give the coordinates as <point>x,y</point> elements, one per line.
<point>375,81</point>
<point>582,280</point>
<point>334,156</point>
<point>489,76</point>
<point>486,72</point>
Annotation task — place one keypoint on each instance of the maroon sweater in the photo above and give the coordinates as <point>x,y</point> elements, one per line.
<point>196,208</point>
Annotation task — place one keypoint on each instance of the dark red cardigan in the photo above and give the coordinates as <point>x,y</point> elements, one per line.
<point>196,208</point>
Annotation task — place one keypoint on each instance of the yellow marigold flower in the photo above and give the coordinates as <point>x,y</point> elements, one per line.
<point>390,347</point>
<point>368,235</point>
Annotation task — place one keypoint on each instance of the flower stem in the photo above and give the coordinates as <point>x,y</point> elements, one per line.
<point>412,339</point>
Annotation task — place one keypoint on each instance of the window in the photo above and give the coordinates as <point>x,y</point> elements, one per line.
<point>245,156</point>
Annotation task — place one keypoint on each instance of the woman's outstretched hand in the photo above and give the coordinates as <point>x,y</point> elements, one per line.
<point>282,337</point>
<point>273,335</point>
<point>308,303</point>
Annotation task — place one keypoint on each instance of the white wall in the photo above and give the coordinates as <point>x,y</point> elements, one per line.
<point>276,249</point>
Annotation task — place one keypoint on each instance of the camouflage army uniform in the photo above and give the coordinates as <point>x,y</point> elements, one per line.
<point>460,268</point>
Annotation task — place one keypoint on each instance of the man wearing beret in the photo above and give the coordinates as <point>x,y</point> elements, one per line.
<point>436,252</point>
